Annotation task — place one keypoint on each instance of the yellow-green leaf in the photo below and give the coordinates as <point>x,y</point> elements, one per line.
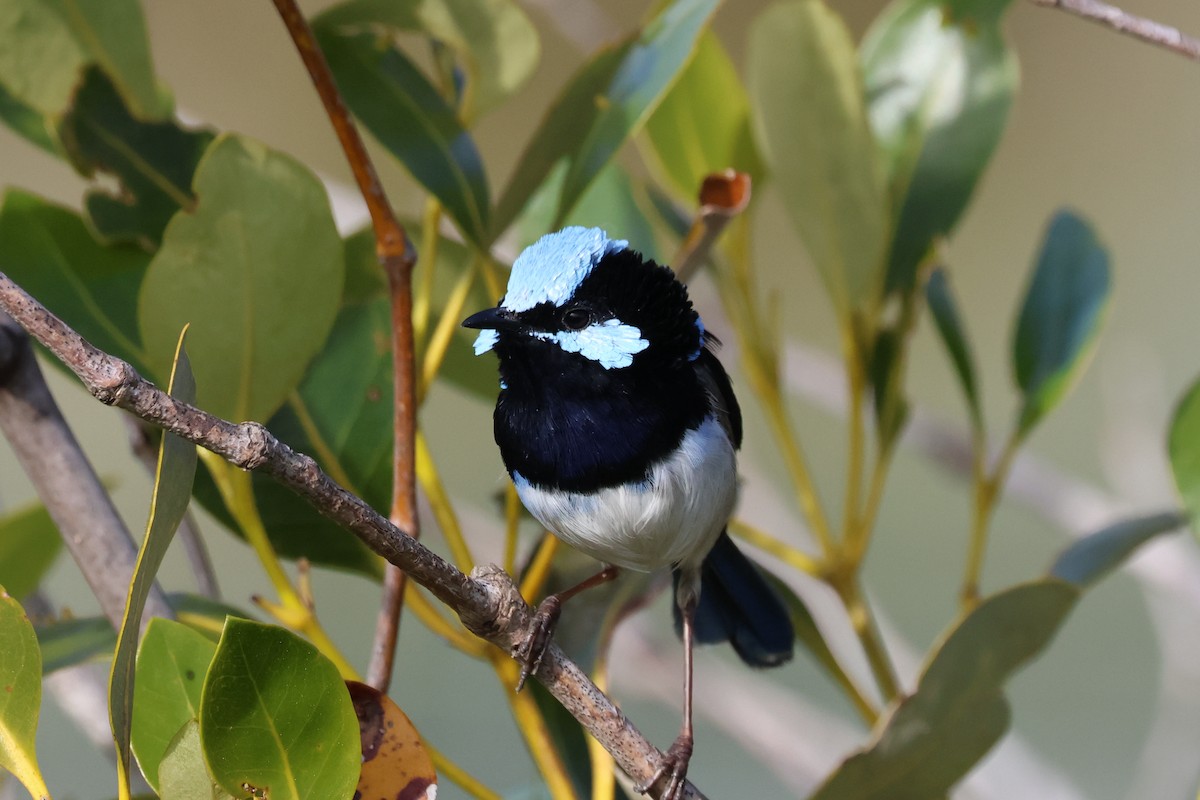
<point>172,491</point>
<point>20,696</point>
<point>811,121</point>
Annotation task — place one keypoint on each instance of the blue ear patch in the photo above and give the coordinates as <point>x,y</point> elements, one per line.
<point>610,343</point>
<point>551,269</point>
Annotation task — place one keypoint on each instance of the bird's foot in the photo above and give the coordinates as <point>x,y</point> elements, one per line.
<point>530,651</point>
<point>673,767</point>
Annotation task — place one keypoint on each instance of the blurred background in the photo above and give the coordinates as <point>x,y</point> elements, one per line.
<point>1102,124</point>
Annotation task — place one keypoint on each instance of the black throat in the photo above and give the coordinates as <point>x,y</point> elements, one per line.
<point>565,422</point>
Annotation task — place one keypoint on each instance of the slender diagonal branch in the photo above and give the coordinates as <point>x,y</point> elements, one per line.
<point>486,601</point>
<point>396,256</point>
<point>1121,21</point>
<point>64,479</point>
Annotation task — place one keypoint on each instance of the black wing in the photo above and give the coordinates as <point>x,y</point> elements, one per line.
<point>716,382</point>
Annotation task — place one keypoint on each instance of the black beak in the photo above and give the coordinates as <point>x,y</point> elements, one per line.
<point>496,319</point>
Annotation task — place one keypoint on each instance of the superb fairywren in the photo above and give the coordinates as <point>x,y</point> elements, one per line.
<point>618,426</point>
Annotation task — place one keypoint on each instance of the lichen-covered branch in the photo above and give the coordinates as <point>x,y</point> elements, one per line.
<point>1122,21</point>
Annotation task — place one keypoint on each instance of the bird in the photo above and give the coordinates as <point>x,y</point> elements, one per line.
<point>619,428</point>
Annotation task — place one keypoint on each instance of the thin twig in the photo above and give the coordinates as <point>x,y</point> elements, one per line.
<point>723,195</point>
<point>1121,21</point>
<point>397,257</point>
<point>487,602</point>
<point>65,481</point>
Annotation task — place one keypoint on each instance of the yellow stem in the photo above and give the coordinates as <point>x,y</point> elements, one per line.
<point>534,579</point>
<point>863,623</point>
<point>426,263</point>
<point>866,522</point>
<point>443,333</point>
<point>854,535</point>
<point>789,555</point>
<point>512,523</point>
<point>533,728</point>
<point>292,611</point>
<point>439,502</point>
<point>987,491</point>
<point>492,276</point>
<point>457,775</point>
<point>428,613</point>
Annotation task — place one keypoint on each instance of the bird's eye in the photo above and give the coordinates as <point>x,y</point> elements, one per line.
<point>576,319</point>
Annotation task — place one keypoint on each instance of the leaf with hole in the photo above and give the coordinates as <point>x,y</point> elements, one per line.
<point>494,39</point>
<point>257,271</point>
<point>401,109</point>
<point>29,543</point>
<point>394,760</point>
<point>811,122</point>
<point>171,664</point>
<point>275,716</point>
<point>1063,309</point>
<point>45,44</point>
<point>154,162</point>
<point>49,251</point>
<point>20,697</point>
<point>940,81</point>
<point>172,490</point>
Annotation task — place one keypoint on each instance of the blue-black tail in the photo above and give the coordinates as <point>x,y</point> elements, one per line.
<point>737,605</point>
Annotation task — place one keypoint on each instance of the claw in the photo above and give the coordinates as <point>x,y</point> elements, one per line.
<point>673,767</point>
<point>531,651</point>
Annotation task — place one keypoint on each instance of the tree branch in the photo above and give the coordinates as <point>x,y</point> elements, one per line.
<point>1123,22</point>
<point>487,602</point>
<point>396,255</point>
<point>64,479</point>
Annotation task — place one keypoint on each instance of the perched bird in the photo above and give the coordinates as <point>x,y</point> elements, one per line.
<point>619,428</point>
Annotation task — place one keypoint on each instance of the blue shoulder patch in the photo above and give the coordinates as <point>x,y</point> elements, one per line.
<point>550,269</point>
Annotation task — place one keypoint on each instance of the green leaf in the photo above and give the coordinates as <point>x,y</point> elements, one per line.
<point>29,543</point>
<point>944,308</point>
<point>68,642</point>
<point>44,44</point>
<point>931,739</point>
<point>702,124</point>
<point>27,121</point>
<point>172,490</point>
<point>807,632</point>
<point>1183,445</point>
<point>256,269</point>
<point>406,114</point>
<point>649,68</point>
<point>153,161</point>
<point>20,696</point>
<point>1062,313</point>
<point>275,715</point>
<point>941,82</point>
<point>603,104</point>
<point>565,125</point>
<point>812,125</point>
<point>494,39</point>
<point>50,252</point>
<point>183,775</point>
<point>171,664</point>
<point>1089,559</point>
<point>203,615</point>
<point>609,203</point>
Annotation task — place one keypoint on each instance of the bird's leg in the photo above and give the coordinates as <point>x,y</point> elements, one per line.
<point>530,651</point>
<point>674,763</point>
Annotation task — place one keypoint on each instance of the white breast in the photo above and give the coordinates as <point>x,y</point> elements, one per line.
<point>674,517</point>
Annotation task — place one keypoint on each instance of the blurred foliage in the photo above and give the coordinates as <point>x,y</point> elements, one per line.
<point>874,150</point>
